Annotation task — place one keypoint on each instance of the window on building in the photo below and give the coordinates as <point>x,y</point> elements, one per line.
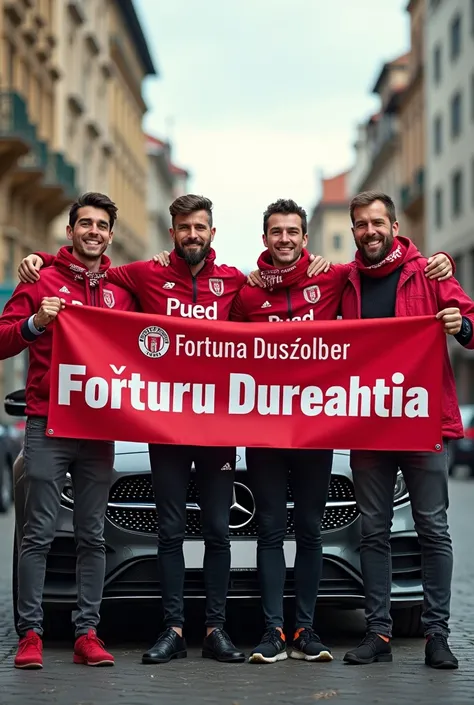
<point>438,207</point>
<point>437,69</point>
<point>9,273</point>
<point>337,242</point>
<point>457,193</point>
<point>438,134</point>
<point>455,38</point>
<point>456,115</point>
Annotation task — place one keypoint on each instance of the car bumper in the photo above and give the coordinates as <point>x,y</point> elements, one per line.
<point>131,572</point>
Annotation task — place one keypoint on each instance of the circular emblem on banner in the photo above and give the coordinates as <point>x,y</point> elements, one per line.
<point>154,341</point>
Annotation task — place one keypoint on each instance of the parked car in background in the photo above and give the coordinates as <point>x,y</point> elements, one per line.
<point>131,540</point>
<point>462,449</point>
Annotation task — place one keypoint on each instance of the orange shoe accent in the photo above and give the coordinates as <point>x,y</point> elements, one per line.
<point>386,639</point>
<point>282,633</point>
<point>297,633</point>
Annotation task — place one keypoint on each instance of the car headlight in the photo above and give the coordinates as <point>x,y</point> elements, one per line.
<point>67,495</point>
<point>400,493</point>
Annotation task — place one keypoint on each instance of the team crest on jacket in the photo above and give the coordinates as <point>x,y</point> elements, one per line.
<point>312,294</point>
<point>154,341</point>
<point>109,298</point>
<point>216,286</point>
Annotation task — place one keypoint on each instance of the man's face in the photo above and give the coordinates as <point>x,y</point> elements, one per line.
<point>91,234</point>
<point>373,232</point>
<point>192,236</point>
<point>284,238</point>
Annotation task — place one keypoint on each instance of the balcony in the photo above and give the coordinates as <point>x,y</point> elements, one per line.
<point>15,129</point>
<point>31,166</point>
<point>412,195</point>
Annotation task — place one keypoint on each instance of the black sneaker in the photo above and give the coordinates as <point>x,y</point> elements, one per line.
<point>308,647</point>
<point>168,645</point>
<point>438,654</point>
<point>219,647</point>
<point>272,648</point>
<point>371,648</point>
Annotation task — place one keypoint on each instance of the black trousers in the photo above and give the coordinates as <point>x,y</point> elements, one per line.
<point>269,470</point>
<point>215,470</point>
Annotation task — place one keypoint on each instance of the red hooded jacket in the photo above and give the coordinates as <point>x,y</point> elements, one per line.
<point>294,298</point>
<point>69,280</point>
<point>419,296</point>
<point>174,291</point>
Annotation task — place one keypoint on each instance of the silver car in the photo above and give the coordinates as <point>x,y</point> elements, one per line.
<point>131,541</point>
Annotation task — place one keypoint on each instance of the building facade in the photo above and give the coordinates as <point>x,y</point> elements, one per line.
<point>166,181</point>
<point>378,146</point>
<point>412,122</point>
<point>449,57</point>
<point>329,228</point>
<point>71,110</point>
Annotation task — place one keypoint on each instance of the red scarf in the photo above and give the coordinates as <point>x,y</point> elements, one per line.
<point>395,259</point>
<point>276,278</point>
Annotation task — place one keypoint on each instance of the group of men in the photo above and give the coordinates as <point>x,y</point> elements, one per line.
<point>389,277</point>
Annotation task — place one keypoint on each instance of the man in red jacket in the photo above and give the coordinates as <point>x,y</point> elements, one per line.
<point>291,295</point>
<point>387,280</point>
<point>77,277</point>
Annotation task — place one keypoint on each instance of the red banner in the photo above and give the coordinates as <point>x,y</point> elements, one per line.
<point>372,384</point>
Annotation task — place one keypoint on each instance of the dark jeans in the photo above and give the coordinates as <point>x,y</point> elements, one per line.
<point>426,477</point>
<point>215,470</point>
<point>47,460</point>
<point>269,469</point>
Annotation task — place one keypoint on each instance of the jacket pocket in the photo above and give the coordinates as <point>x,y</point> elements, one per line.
<point>417,305</point>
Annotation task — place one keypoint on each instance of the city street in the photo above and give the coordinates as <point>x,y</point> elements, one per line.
<point>194,680</point>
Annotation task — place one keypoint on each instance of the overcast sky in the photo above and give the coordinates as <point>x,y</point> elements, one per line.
<point>262,96</point>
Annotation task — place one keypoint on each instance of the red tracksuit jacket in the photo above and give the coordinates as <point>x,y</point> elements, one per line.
<point>307,299</point>
<point>174,291</point>
<point>64,280</point>
<point>419,296</point>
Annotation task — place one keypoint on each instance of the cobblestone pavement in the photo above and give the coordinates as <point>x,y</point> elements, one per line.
<point>194,680</point>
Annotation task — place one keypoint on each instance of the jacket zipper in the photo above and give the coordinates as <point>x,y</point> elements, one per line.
<point>195,292</point>
<point>288,299</point>
<point>93,296</point>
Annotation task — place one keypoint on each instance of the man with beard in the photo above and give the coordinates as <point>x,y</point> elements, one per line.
<point>77,277</point>
<point>290,295</point>
<point>388,280</point>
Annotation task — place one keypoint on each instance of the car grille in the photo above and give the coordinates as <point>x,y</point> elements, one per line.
<point>132,507</point>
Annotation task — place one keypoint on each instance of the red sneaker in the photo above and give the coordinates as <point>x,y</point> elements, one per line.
<point>89,650</point>
<point>30,651</point>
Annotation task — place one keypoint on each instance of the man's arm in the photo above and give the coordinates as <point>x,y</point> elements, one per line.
<point>24,320</point>
<point>456,312</point>
<point>125,276</point>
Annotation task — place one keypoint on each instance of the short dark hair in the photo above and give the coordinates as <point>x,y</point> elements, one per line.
<point>95,200</point>
<point>190,203</point>
<point>286,206</point>
<point>366,198</point>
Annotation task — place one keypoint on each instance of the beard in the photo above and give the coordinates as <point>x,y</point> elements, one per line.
<point>193,257</point>
<point>377,257</point>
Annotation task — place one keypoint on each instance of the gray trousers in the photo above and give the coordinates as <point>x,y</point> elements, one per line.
<point>47,460</point>
<point>426,477</point>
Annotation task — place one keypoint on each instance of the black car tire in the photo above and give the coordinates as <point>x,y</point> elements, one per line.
<point>407,622</point>
<point>6,487</point>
